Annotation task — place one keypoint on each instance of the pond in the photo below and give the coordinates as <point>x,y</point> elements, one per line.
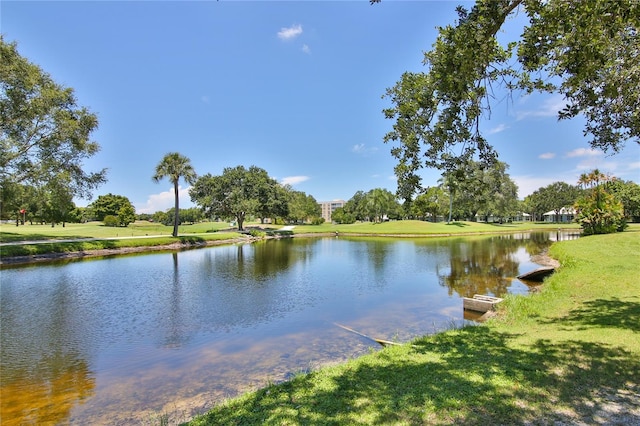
<point>128,339</point>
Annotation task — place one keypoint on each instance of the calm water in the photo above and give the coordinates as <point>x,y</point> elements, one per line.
<point>125,339</point>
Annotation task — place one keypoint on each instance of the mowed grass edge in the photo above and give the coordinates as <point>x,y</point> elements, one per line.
<point>568,354</point>
<point>100,237</point>
<point>95,237</point>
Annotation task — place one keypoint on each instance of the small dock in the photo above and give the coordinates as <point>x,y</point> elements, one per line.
<point>537,275</point>
<point>480,303</point>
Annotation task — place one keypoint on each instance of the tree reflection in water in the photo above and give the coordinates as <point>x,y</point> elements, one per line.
<point>47,393</point>
<point>488,265</point>
<point>482,266</point>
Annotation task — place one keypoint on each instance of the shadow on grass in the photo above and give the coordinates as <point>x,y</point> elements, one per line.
<point>53,248</point>
<point>191,240</point>
<point>458,224</point>
<point>468,377</point>
<point>606,313</point>
<point>277,232</point>
<point>11,237</point>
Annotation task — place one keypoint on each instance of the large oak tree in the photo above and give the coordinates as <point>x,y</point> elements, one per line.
<point>587,51</point>
<point>44,134</point>
<point>238,192</point>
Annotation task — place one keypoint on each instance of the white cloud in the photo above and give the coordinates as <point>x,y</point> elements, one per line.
<point>294,180</point>
<point>290,33</point>
<point>583,152</point>
<point>589,164</point>
<point>633,166</point>
<point>164,201</point>
<point>306,49</point>
<point>362,149</point>
<point>549,108</point>
<point>547,156</point>
<point>499,128</point>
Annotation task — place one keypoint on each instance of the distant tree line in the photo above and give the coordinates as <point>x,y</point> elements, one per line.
<point>623,198</point>
<point>601,203</point>
<point>470,193</point>
<point>237,194</point>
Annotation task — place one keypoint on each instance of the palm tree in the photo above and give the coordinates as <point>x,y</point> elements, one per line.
<point>175,166</point>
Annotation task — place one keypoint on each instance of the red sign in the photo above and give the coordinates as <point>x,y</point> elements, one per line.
<point>23,211</point>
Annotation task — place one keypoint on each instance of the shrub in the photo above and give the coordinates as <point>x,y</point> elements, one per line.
<point>317,220</point>
<point>111,220</point>
<point>600,213</point>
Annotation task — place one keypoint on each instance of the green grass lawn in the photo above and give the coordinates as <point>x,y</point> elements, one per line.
<point>418,227</point>
<point>9,232</point>
<point>130,236</point>
<point>107,237</point>
<point>568,354</point>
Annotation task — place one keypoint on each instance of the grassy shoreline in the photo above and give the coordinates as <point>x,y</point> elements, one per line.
<point>569,354</point>
<point>40,243</point>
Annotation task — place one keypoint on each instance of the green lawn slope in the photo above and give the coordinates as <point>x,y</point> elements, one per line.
<point>569,354</point>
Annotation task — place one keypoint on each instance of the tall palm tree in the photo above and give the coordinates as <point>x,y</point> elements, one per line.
<point>175,166</point>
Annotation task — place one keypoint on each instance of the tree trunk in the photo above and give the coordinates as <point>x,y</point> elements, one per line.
<point>177,209</point>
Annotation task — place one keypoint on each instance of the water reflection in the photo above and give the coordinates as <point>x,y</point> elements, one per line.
<point>120,340</point>
<point>482,266</point>
<point>45,366</point>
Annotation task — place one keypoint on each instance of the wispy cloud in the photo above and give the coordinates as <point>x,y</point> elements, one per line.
<point>290,33</point>
<point>499,128</point>
<point>306,49</point>
<point>293,180</point>
<point>547,156</point>
<point>358,148</point>
<point>549,108</point>
<point>583,152</point>
<point>592,163</point>
<point>362,149</point>
<point>164,201</point>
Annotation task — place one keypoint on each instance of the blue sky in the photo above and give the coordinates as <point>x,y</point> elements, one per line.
<point>293,87</point>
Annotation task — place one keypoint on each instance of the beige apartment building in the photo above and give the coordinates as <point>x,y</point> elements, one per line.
<point>329,206</point>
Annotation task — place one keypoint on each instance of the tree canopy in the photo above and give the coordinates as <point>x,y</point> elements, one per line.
<point>474,189</point>
<point>118,206</point>
<point>375,205</point>
<point>44,134</point>
<point>238,192</point>
<point>302,207</point>
<point>587,51</point>
<point>555,196</point>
